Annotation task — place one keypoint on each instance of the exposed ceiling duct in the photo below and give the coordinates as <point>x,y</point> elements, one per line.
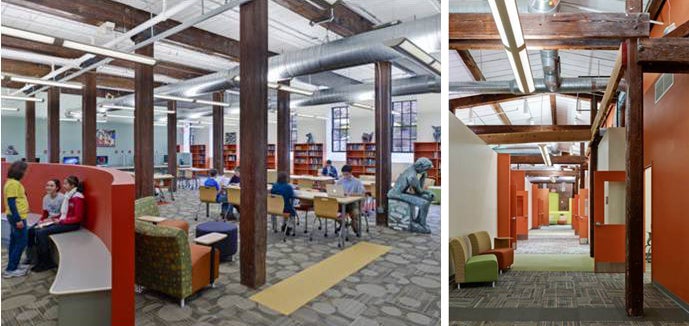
<point>567,85</point>
<point>549,58</point>
<point>364,48</point>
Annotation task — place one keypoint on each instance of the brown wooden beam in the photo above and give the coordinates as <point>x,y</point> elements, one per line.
<point>499,129</point>
<point>53,125</point>
<point>664,55</point>
<point>218,131</point>
<point>30,124</point>
<point>383,134</point>
<point>471,64</point>
<point>172,141</point>
<point>533,44</point>
<point>127,17</point>
<point>284,129</point>
<point>253,121</point>
<point>593,167</point>
<point>553,108</point>
<point>537,137</point>
<point>610,91</point>
<point>538,159</point>
<point>547,173</point>
<point>582,177</point>
<point>561,26</point>
<point>143,126</point>
<point>88,120</point>
<point>346,22</point>
<point>483,99</point>
<point>634,276</point>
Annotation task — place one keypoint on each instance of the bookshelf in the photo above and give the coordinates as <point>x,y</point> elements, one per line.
<point>198,156</point>
<point>362,158</point>
<point>271,158</point>
<point>230,156</point>
<point>308,159</point>
<point>431,151</point>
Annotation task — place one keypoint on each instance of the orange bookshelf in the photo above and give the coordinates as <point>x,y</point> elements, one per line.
<point>198,156</point>
<point>362,158</point>
<point>431,151</point>
<point>308,159</point>
<point>230,156</point>
<point>271,159</point>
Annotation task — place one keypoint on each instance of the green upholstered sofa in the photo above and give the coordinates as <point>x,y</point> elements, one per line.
<point>472,269</point>
<point>148,206</point>
<point>166,262</point>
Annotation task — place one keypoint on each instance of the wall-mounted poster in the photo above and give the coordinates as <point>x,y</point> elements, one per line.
<point>230,138</point>
<point>105,138</point>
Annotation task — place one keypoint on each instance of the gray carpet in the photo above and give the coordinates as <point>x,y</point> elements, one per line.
<point>552,239</point>
<point>400,288</point>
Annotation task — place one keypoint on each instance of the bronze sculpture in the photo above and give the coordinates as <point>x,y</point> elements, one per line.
<point>408,188</point>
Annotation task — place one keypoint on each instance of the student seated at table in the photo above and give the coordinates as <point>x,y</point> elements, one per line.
<point>235,178</point>
<point>221,197</point>
<point>284,189</point>
<point>52,203</point>
<point>72,212</point>
<point>329,170</point>
<point>352,187</point>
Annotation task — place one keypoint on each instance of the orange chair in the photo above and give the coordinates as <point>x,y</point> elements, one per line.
<point>480,245</point>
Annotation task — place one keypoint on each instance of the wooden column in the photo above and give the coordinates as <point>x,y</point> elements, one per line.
<point>593,166</point>
<point>383,106</point>
<point>218,130</point>
<point>172,141</point>
<point>634,276</point>
<point>88,120</point>
<point>284,129</point>
<point>143,124</point>
<point>582,170</point>
<point>30,120</point>
<point>253,125</point>
<point>54,125</point>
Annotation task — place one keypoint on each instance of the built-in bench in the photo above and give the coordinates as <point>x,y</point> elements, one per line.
<point>82,285</point>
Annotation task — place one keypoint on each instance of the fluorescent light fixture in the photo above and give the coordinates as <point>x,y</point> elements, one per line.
<point>130,108</point>
<point>119,116</point>
<point>109,52</point>
<point>22,98</point>
<point>295,90</point>
<point>212,103</point>
<point>273,85</point>
<point>408,48</point>
<point>69,119</point>
<point>11,109</point>
<point>361,106</point>
<point>545,154</point>
<point>311,116</point>
<point>174,98</point>
<point>37,81</point>
<point>507,21</point>
<point>18,33</point>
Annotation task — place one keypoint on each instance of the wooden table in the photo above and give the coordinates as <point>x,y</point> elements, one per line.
<point>152,219</point>
<point>210,240</point>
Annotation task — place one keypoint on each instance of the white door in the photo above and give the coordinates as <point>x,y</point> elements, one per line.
<point>648,203</point>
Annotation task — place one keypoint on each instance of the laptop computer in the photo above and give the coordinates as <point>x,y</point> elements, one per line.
<point>335,190</point>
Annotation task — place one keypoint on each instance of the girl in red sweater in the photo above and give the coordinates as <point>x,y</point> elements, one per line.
<point>71,216</point>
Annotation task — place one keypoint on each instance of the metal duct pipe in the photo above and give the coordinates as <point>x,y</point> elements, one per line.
<point>356,50</point>
<point>363,92</point>
<point>567,85</point>
<point>550,59</point>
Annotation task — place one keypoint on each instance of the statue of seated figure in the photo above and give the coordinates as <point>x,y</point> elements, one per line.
<point>409,189</point>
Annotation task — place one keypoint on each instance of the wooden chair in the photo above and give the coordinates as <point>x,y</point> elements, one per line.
<point>234,196</point>
<point>272,176</point>
<point>428,183</point>
<point>207,195</point>
<point>328,209</point>
<point>276,207</point>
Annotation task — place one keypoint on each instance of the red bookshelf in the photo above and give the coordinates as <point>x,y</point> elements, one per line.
<point>308,159</point>
<point>431,151</point>
<point>362,158</point>
<point>271,158</point>
<point>230,156</point>
<point>198,156</point>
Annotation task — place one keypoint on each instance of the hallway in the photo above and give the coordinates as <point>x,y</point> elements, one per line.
<point>552,239</point>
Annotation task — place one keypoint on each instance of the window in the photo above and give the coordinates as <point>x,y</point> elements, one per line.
<point>293,130</point>
<point>403,126</point>
<point>340,128</point>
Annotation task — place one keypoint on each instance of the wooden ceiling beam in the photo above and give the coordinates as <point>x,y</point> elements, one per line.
<point>538,159</point>
<point>561,26</point>
<point>547,173</point>
<point>566,44</point>
<point>664,55</point>
<point>483,99</point>
<point>478,76</point>
<point>537,137</point>
<point>346,22</point>
<point>500,129</point>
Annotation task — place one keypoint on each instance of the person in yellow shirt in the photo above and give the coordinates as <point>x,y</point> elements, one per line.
<point>17,205</point>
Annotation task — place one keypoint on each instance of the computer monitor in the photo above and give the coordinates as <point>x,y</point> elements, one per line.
<point>70,160</point>
<point>165,158</point>
<point>102,160</point>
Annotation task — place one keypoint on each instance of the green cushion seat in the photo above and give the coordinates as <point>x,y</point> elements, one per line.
<point>483,268</point>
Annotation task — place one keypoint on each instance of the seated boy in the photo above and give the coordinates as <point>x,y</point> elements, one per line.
<point>221,197</point>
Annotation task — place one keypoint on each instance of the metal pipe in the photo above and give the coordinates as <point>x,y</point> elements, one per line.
<point>550,59</point>
<point>567,85</point>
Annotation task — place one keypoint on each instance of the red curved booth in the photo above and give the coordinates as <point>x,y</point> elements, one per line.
<point>109,214</point>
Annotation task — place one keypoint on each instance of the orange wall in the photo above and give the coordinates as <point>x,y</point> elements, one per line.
<point>109,197</point>
<point>609,245</point>
<point>599,178</point>
<point>504,195</point>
